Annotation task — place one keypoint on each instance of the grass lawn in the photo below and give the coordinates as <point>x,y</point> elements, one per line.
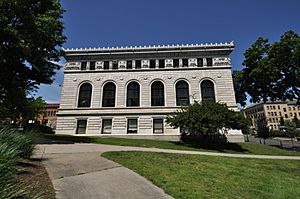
<point>244,148</point>
<point>194,176</point>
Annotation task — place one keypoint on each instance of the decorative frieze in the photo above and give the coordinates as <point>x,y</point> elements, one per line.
<point>192,62</point>
<point>122,64</point>
<point>99,65</point>
<point>145,64</point>
<point>221,61</point>
<point>169,63</point>
<point>72,66</point>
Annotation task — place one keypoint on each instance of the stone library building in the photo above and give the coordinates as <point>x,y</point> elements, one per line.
<point>129,91</point>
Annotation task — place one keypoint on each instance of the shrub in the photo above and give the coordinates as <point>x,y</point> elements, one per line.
<point>206,120</point>
<point>22,142</point>
<point>14,145</point>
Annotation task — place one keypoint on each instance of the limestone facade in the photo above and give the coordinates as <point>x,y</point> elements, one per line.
<point>168,65</point>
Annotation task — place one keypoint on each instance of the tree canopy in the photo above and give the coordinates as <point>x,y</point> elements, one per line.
<point>31,34</point>
<point>206,119</point>
<point>271,71</point>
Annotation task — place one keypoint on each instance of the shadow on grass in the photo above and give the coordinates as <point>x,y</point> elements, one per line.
<point>215,146</point>
<point>205,145</point>
<point>65,139</point>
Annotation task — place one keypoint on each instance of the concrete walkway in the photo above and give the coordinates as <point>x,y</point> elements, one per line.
<point>78,171</point>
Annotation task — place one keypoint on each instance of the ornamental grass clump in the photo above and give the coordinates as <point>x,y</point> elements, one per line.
<point>14,146</point>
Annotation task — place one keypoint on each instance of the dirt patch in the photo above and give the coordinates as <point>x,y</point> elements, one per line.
<point>34,176</point>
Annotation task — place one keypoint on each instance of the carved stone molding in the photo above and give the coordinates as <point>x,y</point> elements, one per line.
<point>192,62</point>
<point>145,63</point>
<point>72,66</point>
<point>99,65</point>
<point>122,64</point>
<point>221,61</point>
<point>169,63</point>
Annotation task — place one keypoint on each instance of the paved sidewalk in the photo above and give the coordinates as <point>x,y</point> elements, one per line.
<point>78,171</point>
<point>85,148</point>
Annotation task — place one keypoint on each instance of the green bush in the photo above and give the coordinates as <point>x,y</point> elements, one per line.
<point>23,142</point>
<point>14,146</point>
<point>9,187</point>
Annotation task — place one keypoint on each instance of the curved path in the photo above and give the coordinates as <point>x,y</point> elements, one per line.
<point>78,171</point>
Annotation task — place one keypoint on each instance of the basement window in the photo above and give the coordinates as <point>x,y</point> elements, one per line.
<point>158,127</point>
<point>106,126</point>
<point>81,126</point>
<point>132,126</point>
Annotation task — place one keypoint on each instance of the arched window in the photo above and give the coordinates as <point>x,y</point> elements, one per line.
<point>157,94</point>
<point>182,93</point>
<point>208,91</point>
<point>109,95</point>
<point>85,94</point>
<point>133,94</point>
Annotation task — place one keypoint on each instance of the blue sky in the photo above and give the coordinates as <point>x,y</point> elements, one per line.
<point>94,23</point>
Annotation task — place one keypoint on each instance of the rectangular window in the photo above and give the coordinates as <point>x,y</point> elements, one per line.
<point>209,61</point>
<point>152,63</point>
<point>92,65</point>
<point>138,64</point>
<point>106,65</point>
<point>284,109</point>
<point>274,107</point>
<point>158,126</point>
<point>132,125</point>
<point>83,66</point>
<point>278,107</point>
<point>115,65</point>
<point>185,62</point>
<point>106,126</point>
<point>200,62</point>
<point>161,63</point>
<point>129,64</point>
<point>285,115</point>
<point>175,63</point>
<point>81,126</point>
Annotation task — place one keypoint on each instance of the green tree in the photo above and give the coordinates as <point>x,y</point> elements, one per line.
<point>206,119</point>
<point>240,94</point>
<point>290,128</point>
<point>263,131</point>
<point>31,34</point>
<point>271,71</point>
<point>296,121</point>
